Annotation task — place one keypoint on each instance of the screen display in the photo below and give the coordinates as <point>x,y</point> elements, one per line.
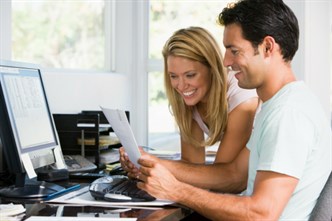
<point>28,108</point>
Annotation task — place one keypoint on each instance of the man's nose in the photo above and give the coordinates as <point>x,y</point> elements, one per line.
<point>227,60</point>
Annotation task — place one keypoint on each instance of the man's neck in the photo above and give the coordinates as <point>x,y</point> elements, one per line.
<point>275,82</point>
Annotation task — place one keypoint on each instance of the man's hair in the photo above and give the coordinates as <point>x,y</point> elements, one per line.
<point>261,18</point>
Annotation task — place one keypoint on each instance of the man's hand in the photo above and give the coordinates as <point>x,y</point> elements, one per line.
<point>157,180</point>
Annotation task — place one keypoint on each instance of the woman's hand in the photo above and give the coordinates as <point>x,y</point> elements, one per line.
<point>127,165</point>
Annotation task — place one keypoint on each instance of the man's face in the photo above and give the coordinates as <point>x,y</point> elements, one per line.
<point>243,58</point>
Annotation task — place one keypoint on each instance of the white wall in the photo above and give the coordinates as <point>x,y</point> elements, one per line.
<point>71,93</point>
<point>312,61</point>
<point>318,31</point>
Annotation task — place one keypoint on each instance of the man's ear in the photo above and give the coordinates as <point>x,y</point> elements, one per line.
<point>268,44</point>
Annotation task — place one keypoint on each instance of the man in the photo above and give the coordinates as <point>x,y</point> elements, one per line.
<point>288,157</point>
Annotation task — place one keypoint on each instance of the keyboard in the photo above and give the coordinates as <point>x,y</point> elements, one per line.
<point>118,188</point>
<point>77,163</point>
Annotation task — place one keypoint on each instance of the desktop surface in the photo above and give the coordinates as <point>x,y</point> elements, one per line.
<point>142,214</point>
<point>40,208</point>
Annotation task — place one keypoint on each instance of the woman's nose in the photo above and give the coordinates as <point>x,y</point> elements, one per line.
<point>181,84</point>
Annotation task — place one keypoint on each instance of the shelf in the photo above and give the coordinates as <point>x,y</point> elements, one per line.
<point>90,126</point>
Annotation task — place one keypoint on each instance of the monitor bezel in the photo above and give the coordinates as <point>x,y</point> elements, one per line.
<point>51,151</point>
<point>13,122</point>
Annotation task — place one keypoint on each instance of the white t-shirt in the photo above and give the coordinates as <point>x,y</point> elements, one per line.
<point>292,136</point>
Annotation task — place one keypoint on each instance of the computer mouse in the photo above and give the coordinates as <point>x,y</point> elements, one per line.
<point>101,186</point>
<point>112,197</point>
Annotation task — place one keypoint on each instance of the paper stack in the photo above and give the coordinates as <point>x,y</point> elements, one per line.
<point>10,212</point>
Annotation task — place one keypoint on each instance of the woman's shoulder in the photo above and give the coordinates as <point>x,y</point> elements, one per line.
<point>237,95</point>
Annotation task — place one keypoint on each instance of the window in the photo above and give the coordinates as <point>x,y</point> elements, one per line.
<point>62,34</point>
<point>165,18</point>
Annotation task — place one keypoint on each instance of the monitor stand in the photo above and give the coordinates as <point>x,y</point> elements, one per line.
<point>35,190</point>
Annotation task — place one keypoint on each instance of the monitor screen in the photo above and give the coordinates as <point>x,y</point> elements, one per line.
<point>26,122</point>
<point>28,136</point>
<point>27,108</point>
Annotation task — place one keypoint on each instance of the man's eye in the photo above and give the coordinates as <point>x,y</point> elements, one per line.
<point>234,52</point>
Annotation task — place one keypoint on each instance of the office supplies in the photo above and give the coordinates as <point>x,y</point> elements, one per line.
<point>107,156</point>
<point>86,175</point>
<point>27,132</point>
<point>37,190</point>
<point>121,127</point>
<point>118,188</point>
<point>10,210</point>
<point>88,134</point>
<point>77,163</point>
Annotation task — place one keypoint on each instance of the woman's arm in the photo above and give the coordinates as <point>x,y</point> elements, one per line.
<point>238,131</point>
<point>192,154</point>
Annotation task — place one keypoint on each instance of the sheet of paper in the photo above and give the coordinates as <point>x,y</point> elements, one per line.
<point>122,129</point>
<point>83,197</point>
<point>69,218</point>
<point>166,154</point>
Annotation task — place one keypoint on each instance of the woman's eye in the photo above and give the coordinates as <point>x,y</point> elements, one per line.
<point>191,75</point>
<point>172,76</point>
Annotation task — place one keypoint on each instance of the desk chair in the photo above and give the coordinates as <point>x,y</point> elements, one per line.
<point>323,209</point>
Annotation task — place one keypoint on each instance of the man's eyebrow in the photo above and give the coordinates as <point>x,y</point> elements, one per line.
<point>228,46</point>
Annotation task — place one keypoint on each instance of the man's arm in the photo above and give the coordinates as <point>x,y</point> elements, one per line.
<point>223,177</point>
<point>271,193</point>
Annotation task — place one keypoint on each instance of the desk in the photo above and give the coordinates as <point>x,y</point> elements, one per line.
<point>166,213</point>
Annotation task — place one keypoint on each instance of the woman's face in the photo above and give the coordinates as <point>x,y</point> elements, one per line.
<point>191,79</point>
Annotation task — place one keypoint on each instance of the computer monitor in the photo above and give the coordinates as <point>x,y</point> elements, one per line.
<point>27,132</point>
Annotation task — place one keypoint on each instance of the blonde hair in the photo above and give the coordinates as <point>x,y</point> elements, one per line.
<point>197,44</point>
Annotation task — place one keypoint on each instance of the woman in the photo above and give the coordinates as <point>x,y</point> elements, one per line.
<point>204,99</point>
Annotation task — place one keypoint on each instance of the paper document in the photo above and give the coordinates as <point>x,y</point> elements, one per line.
<point>83,197</point>
<point>70,218</point>
<point>122,129</point>
<point>10,210</point>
